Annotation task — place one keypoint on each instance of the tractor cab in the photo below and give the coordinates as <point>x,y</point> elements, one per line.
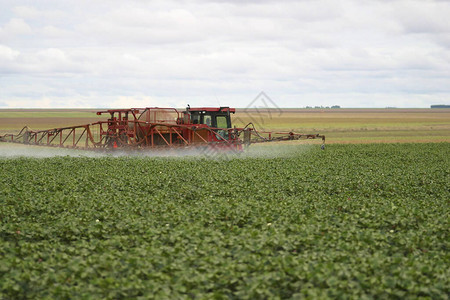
<point>212,117</point>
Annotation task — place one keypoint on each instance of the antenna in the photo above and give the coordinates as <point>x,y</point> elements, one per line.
<point>217,100</point>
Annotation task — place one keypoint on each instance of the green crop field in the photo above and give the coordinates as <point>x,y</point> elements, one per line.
<point>353,221</point>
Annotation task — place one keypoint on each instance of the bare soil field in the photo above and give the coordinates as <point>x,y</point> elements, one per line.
<point>12,121</point>
<point>355,125</point>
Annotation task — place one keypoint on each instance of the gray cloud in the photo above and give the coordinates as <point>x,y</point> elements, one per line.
<point>424,16</point>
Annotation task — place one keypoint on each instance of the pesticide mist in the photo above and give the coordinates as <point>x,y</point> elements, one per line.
<point>255,151</point>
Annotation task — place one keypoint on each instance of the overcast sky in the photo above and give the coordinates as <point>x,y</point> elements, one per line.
<point>361,53</point>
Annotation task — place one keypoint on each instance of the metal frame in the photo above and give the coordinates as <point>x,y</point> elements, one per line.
<point>125,130</point>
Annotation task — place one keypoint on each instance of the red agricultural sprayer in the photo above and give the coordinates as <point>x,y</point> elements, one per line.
<point>153,128</point>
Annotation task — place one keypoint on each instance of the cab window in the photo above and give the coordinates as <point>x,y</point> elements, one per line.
<point>221,122</point>
<point>195,118</point>
<point>207,120</point>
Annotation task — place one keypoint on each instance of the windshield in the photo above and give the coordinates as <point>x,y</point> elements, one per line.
<point>221,122</point>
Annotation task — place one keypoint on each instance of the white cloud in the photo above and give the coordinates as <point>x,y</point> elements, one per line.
<point>8,54</point>
<point>53,32</point>
<point>8,57</point>
<point>13,28</point>
<point>34,13</point>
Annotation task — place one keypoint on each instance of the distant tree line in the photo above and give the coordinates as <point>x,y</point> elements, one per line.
<point>334,106</point>
<point>440,106</point>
